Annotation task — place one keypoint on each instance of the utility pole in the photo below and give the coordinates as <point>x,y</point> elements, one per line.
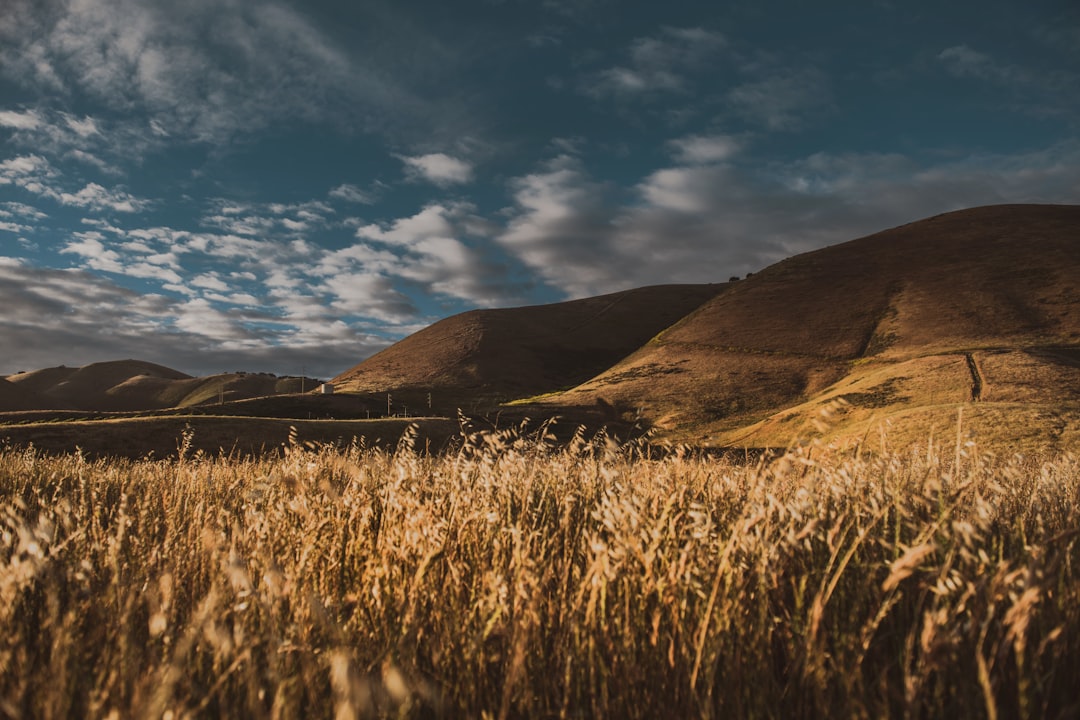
<point>387,404</point>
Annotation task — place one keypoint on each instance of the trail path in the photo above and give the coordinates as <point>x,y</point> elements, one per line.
<point>976,378</point>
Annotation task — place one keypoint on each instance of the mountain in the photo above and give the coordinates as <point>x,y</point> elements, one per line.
<point>134,385</point>
<point>486,356</point>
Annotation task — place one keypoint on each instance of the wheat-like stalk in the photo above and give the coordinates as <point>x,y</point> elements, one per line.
<point>513,578</point>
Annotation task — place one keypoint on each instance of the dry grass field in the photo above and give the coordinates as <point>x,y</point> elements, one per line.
<point>514,578</point>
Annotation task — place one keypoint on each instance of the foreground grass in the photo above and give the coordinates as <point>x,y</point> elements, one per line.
<point>510,579</point>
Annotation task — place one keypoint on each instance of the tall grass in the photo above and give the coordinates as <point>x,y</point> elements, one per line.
<point>513,579</point>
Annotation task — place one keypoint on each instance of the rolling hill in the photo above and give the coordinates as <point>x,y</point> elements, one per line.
<point>979,305</point>
<point>134,385</point>
<point>16,398</point>
<point>487,356</point>
<point>970,316</point>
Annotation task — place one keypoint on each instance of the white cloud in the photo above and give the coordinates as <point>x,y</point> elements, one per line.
<point>24,120</point>
<point>369,295</point>
<point>36,175</point>
<point>96,197</point>
<point>24,169</point>
<point>696,222</point>
<point>202,70</point>
<point>563,227</point>
<point>89,140</point>
<point>353,194</point>
<point>658,64</point>
<point>22,210</point>
<point>210,281</point>
<point>83,127</point>
<point>438,168</point>
<point>87,317</point>
<point>89,246</point>
<point>704,149</point>
<point>198,316</point>
<point>265,219</point>
<point>14,228</point>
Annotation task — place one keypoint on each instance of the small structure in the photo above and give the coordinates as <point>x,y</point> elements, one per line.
<point>326,389</point>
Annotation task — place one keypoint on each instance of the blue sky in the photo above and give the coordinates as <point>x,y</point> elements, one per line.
<point>273,185</point>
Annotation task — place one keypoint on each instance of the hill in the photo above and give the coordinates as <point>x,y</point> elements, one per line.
<point>134,385</point>
<point>488,356</point>
<point>14,398</point>
<point>975,305</point>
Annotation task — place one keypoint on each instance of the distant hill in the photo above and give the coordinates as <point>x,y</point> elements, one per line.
<point>134,385</point>
<point>486,356</point>
<point>14,397</point>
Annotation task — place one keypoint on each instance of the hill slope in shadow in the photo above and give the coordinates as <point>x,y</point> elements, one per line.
<point>135,385</point>
<point>486,356</point>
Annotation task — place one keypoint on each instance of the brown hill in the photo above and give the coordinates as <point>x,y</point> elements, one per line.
<point>14,397</point>
<point>133,385</point>
<point>87,387</point>
<point>980,304</point>
<point>487,355</point>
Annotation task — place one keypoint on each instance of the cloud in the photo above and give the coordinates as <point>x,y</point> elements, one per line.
<point>563,227</point>
<point>15,228</point>
<point>263,219</point>
<point>86,139</point>
<point>704,149</point>
<point>433,251</point>
<point>24,120</point>
<point>21,210</point>
<point>782,99</point>
<point>962,61</point>
<point>702,222</point>
<point>438,168</point>
<point>25,169</point>
<point>656,65</point>
<point>96,197</point>
<point>1043,92</point>
<point>353,194</point>
<point>201,70</point>
<point>91,318</point>
<point>35,174</point>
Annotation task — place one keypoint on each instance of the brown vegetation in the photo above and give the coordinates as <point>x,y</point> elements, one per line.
<point>484,357</point>
<point>134,385</point>
<point>509,579</point>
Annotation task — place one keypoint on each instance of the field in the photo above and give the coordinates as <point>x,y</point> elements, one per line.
<point>511,577</point>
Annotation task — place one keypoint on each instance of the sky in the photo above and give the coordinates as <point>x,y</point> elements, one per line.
<point>289,186</point>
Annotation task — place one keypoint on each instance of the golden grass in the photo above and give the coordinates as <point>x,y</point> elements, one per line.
<point>511,578</point>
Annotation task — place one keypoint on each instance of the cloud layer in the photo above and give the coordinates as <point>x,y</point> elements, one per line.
<point>232,184</point>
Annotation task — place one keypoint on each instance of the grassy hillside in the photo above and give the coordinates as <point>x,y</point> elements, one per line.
<point>16,397</point>
<point>486,356</point>
<point>164,436</point>
<point>996,285</point>
<point>133,385</point>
